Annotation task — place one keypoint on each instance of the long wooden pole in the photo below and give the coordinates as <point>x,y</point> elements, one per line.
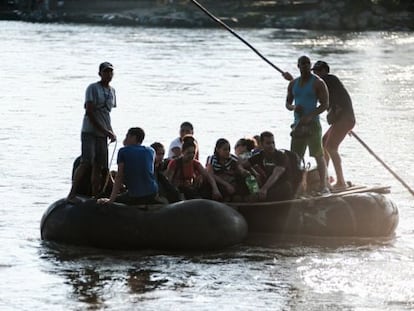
<point>382,162</point>
<point>220,22</point>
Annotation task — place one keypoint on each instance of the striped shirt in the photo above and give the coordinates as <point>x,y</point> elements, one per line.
<point>229,165</point>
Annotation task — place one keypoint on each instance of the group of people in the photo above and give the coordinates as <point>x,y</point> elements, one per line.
<point>145,175</point>
<point>308,96</point>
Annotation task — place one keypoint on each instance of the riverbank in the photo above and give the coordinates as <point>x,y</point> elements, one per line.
<point>310,14</point>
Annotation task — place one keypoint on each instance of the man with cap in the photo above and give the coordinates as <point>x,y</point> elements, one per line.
<point>340,117</point>
<point>306,91</point>
<point>96,129</point>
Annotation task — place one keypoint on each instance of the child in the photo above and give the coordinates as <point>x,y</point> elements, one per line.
<point>244,148</point>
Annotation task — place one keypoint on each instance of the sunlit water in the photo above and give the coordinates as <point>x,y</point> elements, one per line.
<point>164,77</point>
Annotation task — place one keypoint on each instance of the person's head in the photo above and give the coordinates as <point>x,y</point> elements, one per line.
<point>190,138</point>
<point>222,149</point>
<point>304,64</point>
<point>188,150</point>
<point>244,145</point>
<point>256,140</point>
<point>320,68</point>
<point>106,72</point>
<point>159,152</point>
<point>135,135</point>
<point>186,128</point>
<point>267,140</point>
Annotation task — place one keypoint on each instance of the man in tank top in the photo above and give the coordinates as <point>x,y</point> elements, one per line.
<point>307,90</point>
<point>96,129</point>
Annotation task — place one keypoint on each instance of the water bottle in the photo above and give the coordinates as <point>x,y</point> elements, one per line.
<point>252,184</point>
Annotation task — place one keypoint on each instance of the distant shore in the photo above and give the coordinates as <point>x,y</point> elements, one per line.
<point>314,15</point>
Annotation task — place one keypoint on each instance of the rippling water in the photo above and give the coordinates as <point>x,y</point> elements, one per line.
<point>166,76</point>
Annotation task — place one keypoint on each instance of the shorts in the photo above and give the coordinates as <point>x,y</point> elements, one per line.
<point>314,142</point>
<point>94,150</point>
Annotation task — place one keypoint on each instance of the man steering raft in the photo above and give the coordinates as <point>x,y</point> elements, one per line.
<point>307,90</point>
<point>96,129</point>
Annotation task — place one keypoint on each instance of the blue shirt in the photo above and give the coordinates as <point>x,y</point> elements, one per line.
<point>305,97</point>
<point>138,163</point>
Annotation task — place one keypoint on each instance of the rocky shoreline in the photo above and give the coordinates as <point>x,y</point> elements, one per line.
<point>311,14</point>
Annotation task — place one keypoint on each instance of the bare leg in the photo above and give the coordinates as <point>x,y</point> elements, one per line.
<point>337,163</point>
<point>96,180</point>
<point>332,139</point>
<point>324,143</point>
<point>320,161</point>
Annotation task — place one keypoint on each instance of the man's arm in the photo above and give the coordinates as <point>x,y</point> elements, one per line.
<point>289,98</point>
<point>91,115</point>
<point>322,95</point>
<point>119,178</point>
<point>277,172</point>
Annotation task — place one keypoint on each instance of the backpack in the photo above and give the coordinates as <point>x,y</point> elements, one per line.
<point>296,168</point>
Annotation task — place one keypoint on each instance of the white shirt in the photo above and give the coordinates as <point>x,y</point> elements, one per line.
<point>176,143</point>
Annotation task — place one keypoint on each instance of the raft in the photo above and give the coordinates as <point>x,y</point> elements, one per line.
<point>188,225</point>
<point>360,212</point>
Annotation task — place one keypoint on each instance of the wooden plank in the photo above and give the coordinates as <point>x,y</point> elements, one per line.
<point>354,187</point>
<point>359,189</point>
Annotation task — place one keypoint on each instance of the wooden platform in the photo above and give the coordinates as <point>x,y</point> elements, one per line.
<point>333,194</point>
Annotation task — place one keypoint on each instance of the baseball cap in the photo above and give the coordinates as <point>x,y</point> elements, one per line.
<point>105,65</point>
<point>320,64</point>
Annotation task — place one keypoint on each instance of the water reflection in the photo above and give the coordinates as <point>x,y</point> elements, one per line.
<point>139,281</point>
<point>288,272</point>
<point>93,273</point>
<point>87,284</point>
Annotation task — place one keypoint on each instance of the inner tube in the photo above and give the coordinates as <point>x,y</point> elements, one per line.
<point>360,215</point>
<point>187,225</point>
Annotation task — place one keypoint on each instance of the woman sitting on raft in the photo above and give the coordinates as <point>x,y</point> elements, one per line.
<point>227,172</point>
<point>190,177</point>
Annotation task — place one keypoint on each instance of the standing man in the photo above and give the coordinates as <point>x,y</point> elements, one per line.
<point>96,129</point>
<point>307,90</point>
<point>340,117</point>
<point>136,171</point>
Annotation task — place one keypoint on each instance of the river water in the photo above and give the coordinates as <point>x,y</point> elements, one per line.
<point>206,76</point>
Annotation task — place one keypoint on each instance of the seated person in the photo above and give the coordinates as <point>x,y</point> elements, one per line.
<point>271,166</point>
<point>227,172</point>
<point>257,145</point>
<point>190,177</point>
<point>174,151</point>
<point>136,171</point>
<point>244,148</point>
<point>84,184</point>
<point>165,188</point>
